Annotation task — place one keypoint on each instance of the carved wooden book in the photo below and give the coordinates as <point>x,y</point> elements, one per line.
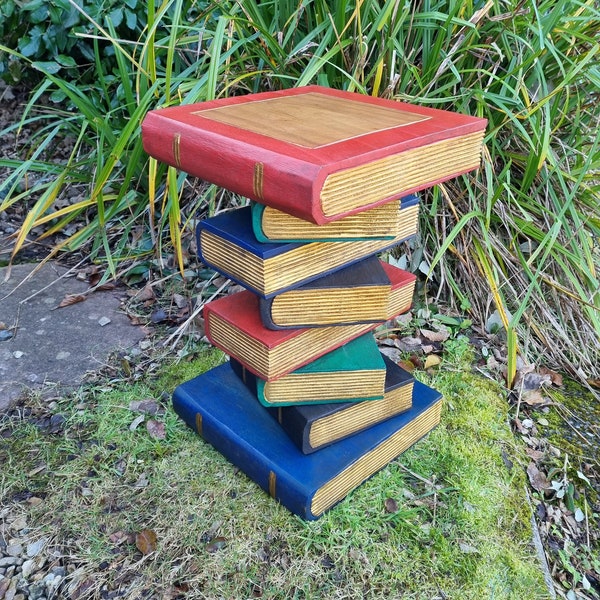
<point>367,291</point>
<point>225,413</point>
<point>234,325</point>
<point>316,425</point>
<point>353,372</point>
<point>314,152</point>
<point>380,223</point>
<point>227,243</point>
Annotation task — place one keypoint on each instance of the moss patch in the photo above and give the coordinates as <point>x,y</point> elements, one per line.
<point>458,525</point>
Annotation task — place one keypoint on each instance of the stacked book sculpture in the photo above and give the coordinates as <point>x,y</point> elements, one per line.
<point>307,406</point>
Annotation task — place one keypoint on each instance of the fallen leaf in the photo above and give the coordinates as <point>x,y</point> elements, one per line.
<point>119,537</point>
<point>148,406</point>
<point>145,294</point>
<point>145,541</point>
<point>142,481</point>
<point>180,301</point>
<point>136,422</point>
<point>82,588</point>
<point>435,336</point>
<point>506,460</point>
<point>534,381</point>
<point>416,360</point>
<point>534,454</point>
<point>156,429</point>
<point>537,479</point>
<point>215,544</point>
<point>391,506</point>
<point>467,548</point>
<point>407,365</point>
<point>70,299</point>
<point>432,360</point>
<point>158,316</point>
<point>555,377</point>
<point>534,398</point>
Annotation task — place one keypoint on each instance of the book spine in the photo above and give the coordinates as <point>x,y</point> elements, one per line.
<point>281,181</point>
<point>295,424</point>
<point>259,468</point>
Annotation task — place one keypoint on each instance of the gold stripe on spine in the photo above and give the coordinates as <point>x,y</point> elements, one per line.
<point>177,149</point>
<point>199,424</point>
<point>257,181</point>
<point>272,484</point>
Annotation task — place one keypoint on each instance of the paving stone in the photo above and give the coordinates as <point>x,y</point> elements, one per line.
<point>51,346</point>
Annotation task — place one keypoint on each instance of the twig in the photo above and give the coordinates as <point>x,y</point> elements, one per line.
<point>539,547</point>
<point>199,306</point>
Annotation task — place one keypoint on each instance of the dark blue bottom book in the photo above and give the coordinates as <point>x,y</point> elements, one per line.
<point>223,411</point>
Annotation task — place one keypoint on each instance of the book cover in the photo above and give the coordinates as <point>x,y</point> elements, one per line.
<point>314,426</point>
<point>225,413</point>
<point>380,223</point>
<point>365,292</point>
<point>227,244</point>
<point>353,372</point>
<point>233,324</point>
<point>314,152</point>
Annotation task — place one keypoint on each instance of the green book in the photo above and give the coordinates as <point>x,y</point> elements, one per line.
<point>353,372</point>
<point>384,222</point>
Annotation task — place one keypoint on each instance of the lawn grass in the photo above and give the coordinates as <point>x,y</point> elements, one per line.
<point>449,519</point>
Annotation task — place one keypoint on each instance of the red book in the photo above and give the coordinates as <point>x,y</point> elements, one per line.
<point>233,324</point>
<point>313,152</point>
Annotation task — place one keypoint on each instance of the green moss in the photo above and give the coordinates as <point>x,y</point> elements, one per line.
<point>461,528</point>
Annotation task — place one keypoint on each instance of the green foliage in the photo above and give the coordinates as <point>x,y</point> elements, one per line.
<point>524,228</point>
<point>60,34</point>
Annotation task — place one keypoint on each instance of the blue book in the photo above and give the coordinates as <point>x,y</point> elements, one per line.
<point>227,244</point>
<point>225,413</point>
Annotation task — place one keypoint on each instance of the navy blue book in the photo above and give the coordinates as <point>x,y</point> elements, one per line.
<point>225,413</point>
<point>314,426</point>
<point>227,244</point>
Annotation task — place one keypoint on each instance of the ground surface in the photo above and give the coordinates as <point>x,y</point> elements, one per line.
<point>53,329</point>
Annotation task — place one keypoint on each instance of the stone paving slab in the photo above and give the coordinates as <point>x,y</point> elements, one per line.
<point>45,346</point>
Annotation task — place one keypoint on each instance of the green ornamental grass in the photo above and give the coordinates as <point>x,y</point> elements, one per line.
<point>524,228</point>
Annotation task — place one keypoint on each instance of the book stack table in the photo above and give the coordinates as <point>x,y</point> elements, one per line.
<point>306,405</point>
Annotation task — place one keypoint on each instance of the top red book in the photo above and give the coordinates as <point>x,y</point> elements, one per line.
<point>316,153</point>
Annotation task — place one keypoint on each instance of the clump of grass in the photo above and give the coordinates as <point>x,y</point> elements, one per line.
<point>457,522</point>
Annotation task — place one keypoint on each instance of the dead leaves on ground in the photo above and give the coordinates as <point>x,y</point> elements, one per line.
<point>148,407</point>
<point>424,345</point>
<point>146,541</point>
<point>93,277</point>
